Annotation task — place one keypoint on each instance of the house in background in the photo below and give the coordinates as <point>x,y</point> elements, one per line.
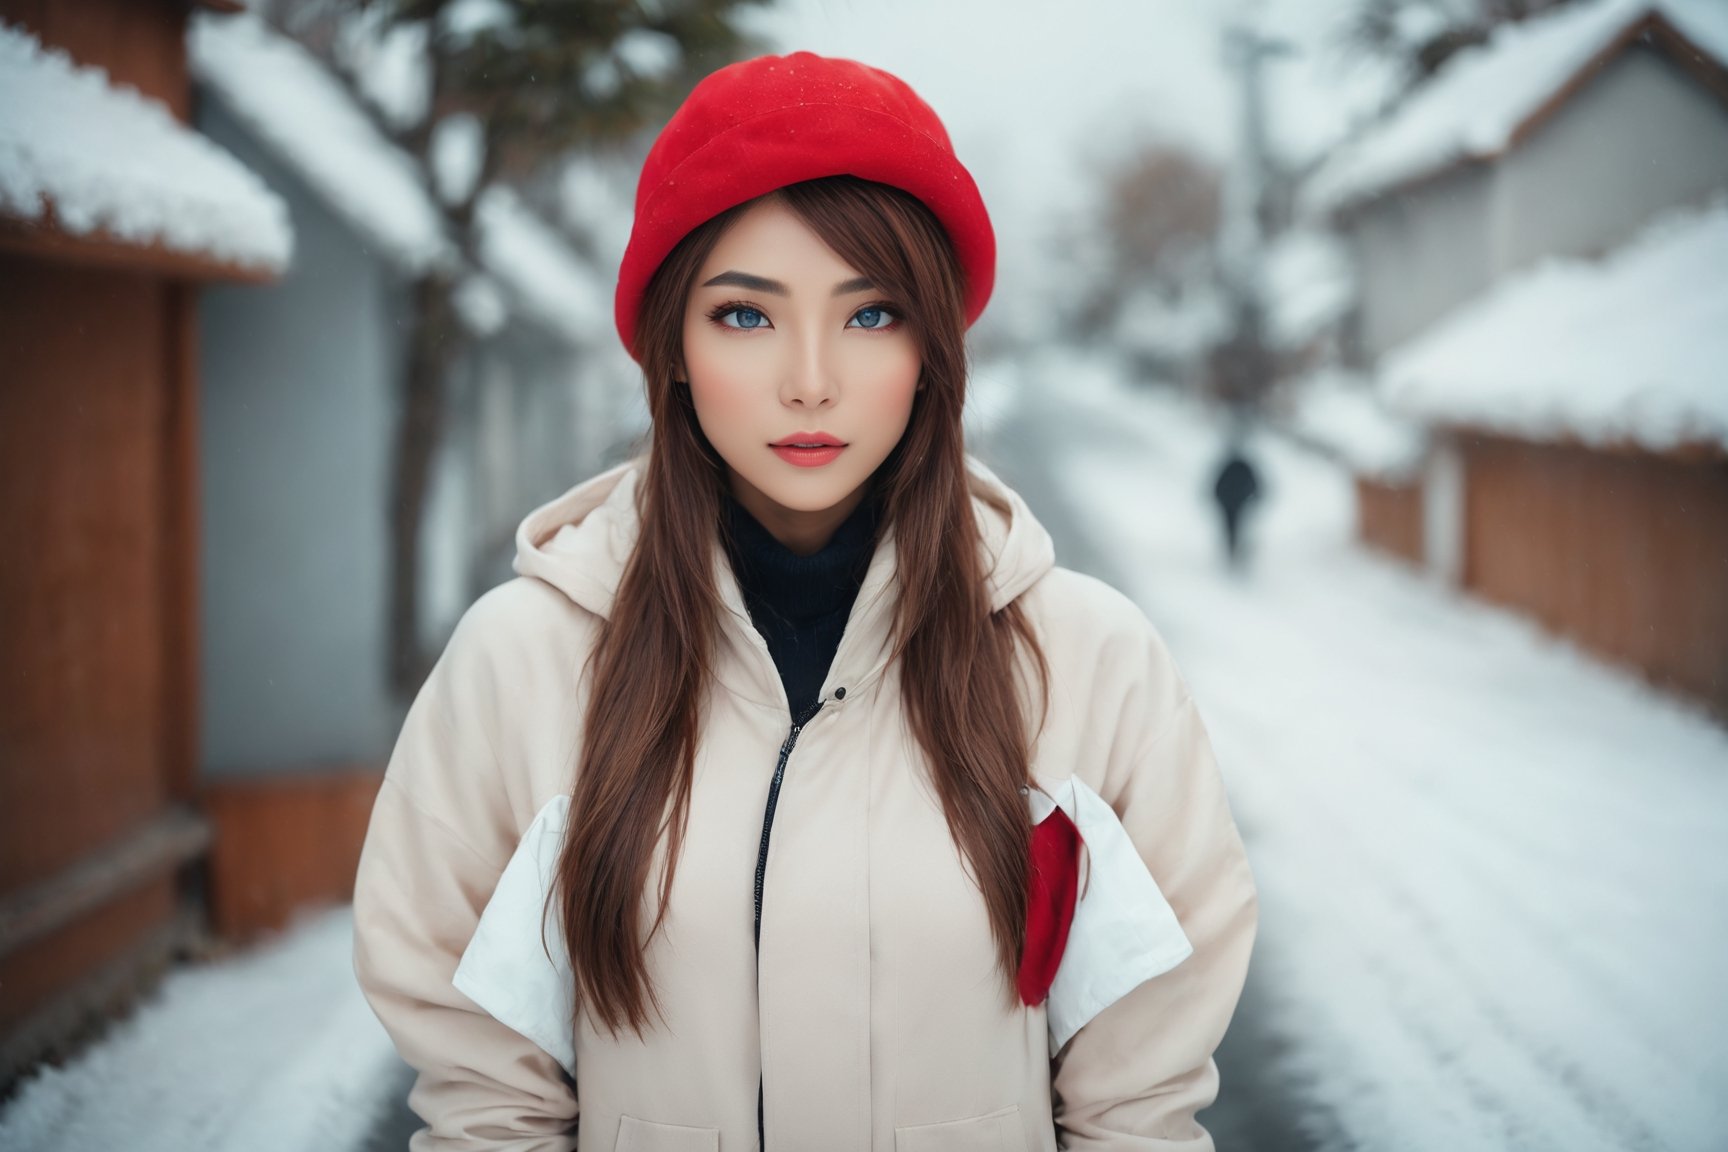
<point>1592,397</point>
<point>1560,137</point>
<point>302,385</point>
<point>1519,182</point>
<point>113,215</point>
<point>1312,301</point>
<point>1337,413</point>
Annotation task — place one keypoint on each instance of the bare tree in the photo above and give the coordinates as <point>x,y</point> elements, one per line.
<point>1163,210</point>
<point>1157,227</point>
<point>1422,35</point>
<point>536,79</point>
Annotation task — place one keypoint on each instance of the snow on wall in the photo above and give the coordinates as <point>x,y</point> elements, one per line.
<point>1470,110</point>
<point>303,113</point>
<point>108,158</point>
<point>1630,347</point>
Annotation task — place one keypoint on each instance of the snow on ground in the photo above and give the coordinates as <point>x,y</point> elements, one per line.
<point>1490,866</point>
<point>1627,347</point>
<point>274,1050</point>
<point>105,157</point>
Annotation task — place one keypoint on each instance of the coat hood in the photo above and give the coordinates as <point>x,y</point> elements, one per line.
<point>854,1012</point>
<point>580,542</point>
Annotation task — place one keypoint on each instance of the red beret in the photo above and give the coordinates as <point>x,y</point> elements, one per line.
<point>761,124</point>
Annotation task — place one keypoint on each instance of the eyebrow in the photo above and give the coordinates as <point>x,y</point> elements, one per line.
<point>776,288</point>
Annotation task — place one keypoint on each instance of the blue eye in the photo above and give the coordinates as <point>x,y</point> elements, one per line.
<point>873,318</point>
<point>748,318</point>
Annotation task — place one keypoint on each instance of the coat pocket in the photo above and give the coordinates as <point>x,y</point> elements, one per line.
<point>998,1131</point>
<point>516,965</point>
<point>1124,931</point>
<point>646,1136</point>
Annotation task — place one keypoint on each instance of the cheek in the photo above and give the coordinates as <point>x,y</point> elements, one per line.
<point>891,377</point>
<point>723,384</point>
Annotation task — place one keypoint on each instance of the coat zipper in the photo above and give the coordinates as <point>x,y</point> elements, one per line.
<point>786,747</point>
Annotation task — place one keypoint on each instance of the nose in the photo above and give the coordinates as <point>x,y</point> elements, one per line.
<point>807,380</point>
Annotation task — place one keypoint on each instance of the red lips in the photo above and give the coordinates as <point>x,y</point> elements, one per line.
<point>803,438</point>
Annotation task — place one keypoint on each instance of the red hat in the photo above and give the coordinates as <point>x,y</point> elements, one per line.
<point>761,124</point>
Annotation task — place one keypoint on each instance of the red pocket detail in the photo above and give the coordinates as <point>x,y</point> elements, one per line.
<point>1050,902</point>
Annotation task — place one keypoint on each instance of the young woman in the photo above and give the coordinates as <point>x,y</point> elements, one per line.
<point>791,796</point>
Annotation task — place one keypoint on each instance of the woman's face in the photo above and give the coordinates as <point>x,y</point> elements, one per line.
<point>785,344</point>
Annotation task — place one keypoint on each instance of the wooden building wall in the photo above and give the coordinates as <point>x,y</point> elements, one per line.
<point>100,839</point>
<point>284,842</point>
<point>138,42</point>
<point>1389,517</point>
<point>98,450</point>
<point>1626,552</point>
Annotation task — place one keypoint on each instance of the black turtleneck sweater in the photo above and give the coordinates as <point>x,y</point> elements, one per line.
<point>800,603</point>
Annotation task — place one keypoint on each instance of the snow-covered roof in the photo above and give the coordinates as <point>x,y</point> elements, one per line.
<point>1309,284</point>
<point>305,115</point>
<point>1337,411</point>
<point>1477,104</point>
<point>108,159</point>
<point>539,271</point>
<point>1630,348</point>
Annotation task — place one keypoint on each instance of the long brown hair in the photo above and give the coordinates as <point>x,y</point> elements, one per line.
<point>651,662</point>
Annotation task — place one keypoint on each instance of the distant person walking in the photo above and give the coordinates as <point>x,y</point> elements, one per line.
<point>1237,485</point>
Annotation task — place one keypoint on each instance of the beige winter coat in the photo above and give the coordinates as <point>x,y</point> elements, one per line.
<point>877,1022</point>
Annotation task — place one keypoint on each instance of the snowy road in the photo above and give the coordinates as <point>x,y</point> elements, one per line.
<point>1492,870</point>
<point>1029,443</point>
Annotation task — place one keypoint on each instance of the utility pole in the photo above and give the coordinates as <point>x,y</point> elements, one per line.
<point>1242,368</point>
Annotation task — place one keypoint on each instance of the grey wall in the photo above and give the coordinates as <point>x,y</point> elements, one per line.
<point>1640,137</point>
<point>296,379</point>
<point>546,428</point>
<point>1644,135</point>
<point>518,444</point>
<point>1420,254</point>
